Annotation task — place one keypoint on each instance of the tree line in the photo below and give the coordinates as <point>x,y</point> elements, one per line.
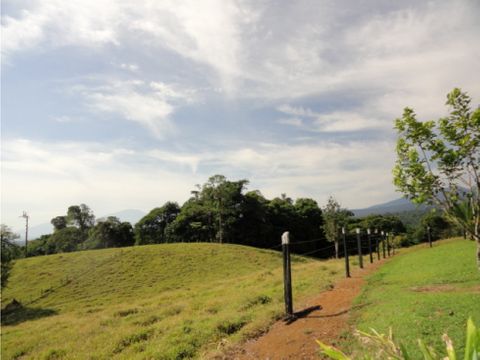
<point>223,211</point>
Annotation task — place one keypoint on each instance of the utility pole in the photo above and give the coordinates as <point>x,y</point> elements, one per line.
<point>25,216</point>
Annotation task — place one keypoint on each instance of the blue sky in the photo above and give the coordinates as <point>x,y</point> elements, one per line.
<point>128,104</point>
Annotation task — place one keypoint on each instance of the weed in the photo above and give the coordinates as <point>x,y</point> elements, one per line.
<point>257,300</point>
<point>19,354</point>
<point>148,321</point>
<point>231,327</point>
<point>54,354</point>
<point>132,339</point>
<point>124,313</point>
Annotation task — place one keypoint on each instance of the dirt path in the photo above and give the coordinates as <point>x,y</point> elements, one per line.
<point>323,317</point>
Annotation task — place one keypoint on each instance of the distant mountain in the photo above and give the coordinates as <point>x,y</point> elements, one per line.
<point>34,232</point>
<point>130,215</point>
<point>390,207</point>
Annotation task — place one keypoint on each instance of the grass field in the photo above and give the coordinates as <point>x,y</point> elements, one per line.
<point>423,294</point>
<point>169,301</point>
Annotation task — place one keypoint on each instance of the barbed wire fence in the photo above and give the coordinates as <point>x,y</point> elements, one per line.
<point>358,243</point>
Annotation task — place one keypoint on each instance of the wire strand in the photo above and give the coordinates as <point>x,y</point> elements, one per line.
<point>317,250</point>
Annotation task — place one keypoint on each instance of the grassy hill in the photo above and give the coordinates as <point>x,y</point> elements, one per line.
<point>169,301</point>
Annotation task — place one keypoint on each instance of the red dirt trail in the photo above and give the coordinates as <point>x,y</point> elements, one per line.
<point>325,318</point>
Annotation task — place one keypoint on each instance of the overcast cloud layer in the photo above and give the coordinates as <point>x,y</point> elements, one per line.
<point>122,104</point>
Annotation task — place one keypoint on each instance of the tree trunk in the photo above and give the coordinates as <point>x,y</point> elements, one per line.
<point>336,250</point>
<point>477,239</point>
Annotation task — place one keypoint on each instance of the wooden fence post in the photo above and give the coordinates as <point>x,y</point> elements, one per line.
<point>388,243</point>
<point>429,234</point>
<point>393,243</point>
<point>377,245</point>
<point>383,245</point>
<point>287,274</point>
<point>370,245</point>
<point>345,251</point>
<point>359,245</point>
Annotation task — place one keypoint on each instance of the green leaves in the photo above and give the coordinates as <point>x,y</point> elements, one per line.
<point>472,348</point>
<point>332,353</point>
<point>383,346</point>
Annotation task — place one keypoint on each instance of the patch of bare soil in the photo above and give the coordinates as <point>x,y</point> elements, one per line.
<point>324,317</point>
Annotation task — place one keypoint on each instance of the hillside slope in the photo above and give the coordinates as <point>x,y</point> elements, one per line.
<point>168,301</point>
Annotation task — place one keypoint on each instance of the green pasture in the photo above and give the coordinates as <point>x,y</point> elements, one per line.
<point>170,301</point>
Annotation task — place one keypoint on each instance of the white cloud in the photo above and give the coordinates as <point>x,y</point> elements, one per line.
<point>59,23</point>
<point>297,111</point>
<point>151,106</point>
<point>147,110</point>
<point>293,121</point>
<point>130,67</point>
<point>336,121</point>
<point>208,32</point>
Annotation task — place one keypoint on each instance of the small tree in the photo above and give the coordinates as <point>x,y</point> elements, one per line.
<point>439,162</point>
<point>334,218</point>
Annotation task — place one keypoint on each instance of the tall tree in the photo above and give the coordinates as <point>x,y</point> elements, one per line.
<point>254,227</point>
<point>439,162</point>
<point>65,240</point>
<point>194,223</point>
<point>225,200</point>
<point>335,217</point>
<point>8,252</point>
<point>151,229</point>
<point>82,217</point>
<point>59,222</point>
<point>109,232</point>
